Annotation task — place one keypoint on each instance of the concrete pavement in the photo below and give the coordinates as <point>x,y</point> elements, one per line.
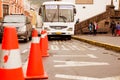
<point>103,40</point>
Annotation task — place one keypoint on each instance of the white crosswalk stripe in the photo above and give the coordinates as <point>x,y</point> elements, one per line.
<point>78,63</point>
<point>72,77</point>
<point>64,45</point>
<point>87,55</point>
<point>54,47</point>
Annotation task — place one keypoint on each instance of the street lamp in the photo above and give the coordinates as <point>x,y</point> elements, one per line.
<point>112,2</point>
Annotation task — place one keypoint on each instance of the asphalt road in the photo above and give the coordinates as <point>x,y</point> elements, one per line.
<point>75,60</point>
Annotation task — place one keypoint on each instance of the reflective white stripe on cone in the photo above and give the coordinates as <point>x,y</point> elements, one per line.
<point>10,59</point>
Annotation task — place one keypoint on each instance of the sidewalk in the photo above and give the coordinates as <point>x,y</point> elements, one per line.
<point>103,40</point>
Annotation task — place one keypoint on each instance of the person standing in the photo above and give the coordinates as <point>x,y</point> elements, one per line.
<point>113,28</point>
<point>77,21</point>
<point>90,26</point>
<point>118,29</point>
<point>95,27</point>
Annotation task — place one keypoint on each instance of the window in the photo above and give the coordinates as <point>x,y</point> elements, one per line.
<point>5,9</point>
<point>84,1</point>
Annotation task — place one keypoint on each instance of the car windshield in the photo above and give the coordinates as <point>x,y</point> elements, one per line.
<point>14,19</point>
<point>61,13</point>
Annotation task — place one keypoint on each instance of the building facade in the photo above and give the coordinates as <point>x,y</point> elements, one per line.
<point>1,11</point>
<point>89,8</point>
<point>11,7</point>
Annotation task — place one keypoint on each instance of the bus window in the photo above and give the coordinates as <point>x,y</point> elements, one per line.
<point>66,13</point>
<point>51,13</point>
<point>58,13</point>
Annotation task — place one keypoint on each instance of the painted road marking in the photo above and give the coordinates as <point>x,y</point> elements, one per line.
<point>24,67</point>
<point>88,55</point>
<point>91,56</point>
<point>64,47</point>
<point>77,47</point>
<point>63,76</point>
<point>54,47</point>
<point>55,42</point>
<point>24,51</point>
<point>88,47</point>
<point>77,63</point>
<point>74,77</point>
<point>92,48</point>
<point>71,47</point>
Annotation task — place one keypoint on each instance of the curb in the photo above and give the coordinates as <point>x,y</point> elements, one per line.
<point>105,45</point>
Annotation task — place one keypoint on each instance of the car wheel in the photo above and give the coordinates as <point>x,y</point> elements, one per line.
<point>30,38</point>
<point>26,39</point>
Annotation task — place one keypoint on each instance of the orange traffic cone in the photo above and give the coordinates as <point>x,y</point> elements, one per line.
<point>44,43</point>
<point>46,38</point>
<point>35,66</point>
<point>10,64</point>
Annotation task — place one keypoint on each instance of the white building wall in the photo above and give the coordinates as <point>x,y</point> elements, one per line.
<point>85,11</point>
<point>116,4</point>
<point>26,5</point>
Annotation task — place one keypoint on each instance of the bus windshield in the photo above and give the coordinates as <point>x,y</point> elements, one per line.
<point>58,13</point>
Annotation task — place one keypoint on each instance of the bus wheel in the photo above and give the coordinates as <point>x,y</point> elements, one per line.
<point>49,38</point>
<point>69,37</point>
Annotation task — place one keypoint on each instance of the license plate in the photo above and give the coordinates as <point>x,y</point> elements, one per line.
<point>58,33</point>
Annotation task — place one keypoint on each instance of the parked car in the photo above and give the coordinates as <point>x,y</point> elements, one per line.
<point>22,24</point>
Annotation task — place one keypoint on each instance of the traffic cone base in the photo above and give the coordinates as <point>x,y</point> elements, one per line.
<point>14,74</point>
<point>43,76</point>
<point>43,47</point>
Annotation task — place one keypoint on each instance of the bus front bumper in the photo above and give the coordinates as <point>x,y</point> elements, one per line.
<point>60,33</point>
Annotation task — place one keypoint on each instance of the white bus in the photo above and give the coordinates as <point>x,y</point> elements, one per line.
<point>58,18</point>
